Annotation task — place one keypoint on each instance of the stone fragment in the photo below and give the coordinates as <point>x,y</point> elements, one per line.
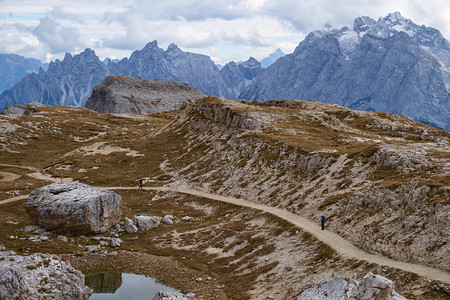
<point>161,295</point>
<point>145,223</point>
<point>62,238</point>
<point>187,219</point>
<point>74,207</point>
<point>168,219</point>
<point>130,227</point>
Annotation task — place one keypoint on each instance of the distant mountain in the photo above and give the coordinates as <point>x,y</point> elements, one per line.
<point>266,62</point>
<point>237,77</point>
<point>14,67</point>
<point>70,81</point>
<point>390,65</point>
<point>109,60</point>
<point>66,82</point>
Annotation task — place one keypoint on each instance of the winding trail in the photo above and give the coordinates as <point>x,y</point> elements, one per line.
<point>340,245</point>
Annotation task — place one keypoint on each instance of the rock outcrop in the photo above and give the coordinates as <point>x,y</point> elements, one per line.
<point>40,276</point>
<point>371,287</point>
<point>74,207</point>
<point>132,95</point>
<point>173,296</point>
<point>25,109</point>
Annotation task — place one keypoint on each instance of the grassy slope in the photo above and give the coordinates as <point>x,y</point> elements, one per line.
<point>44,139</point>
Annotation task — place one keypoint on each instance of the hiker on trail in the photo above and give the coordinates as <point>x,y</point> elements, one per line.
<point>322,220</point>
<point>140,183</point>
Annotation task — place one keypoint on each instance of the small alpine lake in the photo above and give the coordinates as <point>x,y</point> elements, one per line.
<point>123,286</point>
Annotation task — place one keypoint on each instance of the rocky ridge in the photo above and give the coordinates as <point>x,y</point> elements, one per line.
<point>131,95</point>
<point>376,171</point>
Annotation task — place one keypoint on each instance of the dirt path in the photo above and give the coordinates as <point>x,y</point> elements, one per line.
<point>340,245</point>
<point>7,176</point>
<point>21,197</point>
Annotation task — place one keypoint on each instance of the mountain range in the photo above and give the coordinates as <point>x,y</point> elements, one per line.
<point>391,65</point>
<point>14,67</point>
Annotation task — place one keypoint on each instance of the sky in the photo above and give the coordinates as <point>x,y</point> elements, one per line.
<point>225,30</point>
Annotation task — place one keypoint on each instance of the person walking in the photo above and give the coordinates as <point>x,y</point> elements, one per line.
<point>140,184</point>
<point>322,221</point>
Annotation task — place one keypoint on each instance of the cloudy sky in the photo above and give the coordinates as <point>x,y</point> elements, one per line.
<point>223,29</point>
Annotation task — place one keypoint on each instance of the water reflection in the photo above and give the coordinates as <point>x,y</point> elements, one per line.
<point>123,286</point>
<point>104,282</point>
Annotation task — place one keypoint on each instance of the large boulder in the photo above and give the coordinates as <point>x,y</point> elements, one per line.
<point>74,207</point>
<point>371,287</point>
<point>40,276</point>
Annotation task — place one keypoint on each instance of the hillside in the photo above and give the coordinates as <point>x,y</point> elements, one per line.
<point>381,180</point>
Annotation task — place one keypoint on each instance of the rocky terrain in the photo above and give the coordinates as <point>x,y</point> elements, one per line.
<point>371,287</point>
<point>132,95</point>
<point>390,65</point>
<point>381,180</point>
<point>40,276</point>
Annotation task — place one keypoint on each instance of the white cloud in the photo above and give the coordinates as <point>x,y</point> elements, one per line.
<point>58,38</point>
<point>227,29</point>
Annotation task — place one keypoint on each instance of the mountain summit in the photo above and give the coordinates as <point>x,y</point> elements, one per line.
<point>390,65</point>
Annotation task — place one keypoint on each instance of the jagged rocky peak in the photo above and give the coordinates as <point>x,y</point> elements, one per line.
<point>390,65</point>
<point>273,57</point>
<point>133,95</point>
<point>361,24</point>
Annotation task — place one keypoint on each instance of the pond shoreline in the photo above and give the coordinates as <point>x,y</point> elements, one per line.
<point>166,270</point>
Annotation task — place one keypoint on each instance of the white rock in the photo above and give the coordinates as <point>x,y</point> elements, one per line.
<point>168,219</point>
<point>161,295</point>
<point>30,228</point>
<point>145,223</point>
<point>187,219</point>
<point>62,238</point>
<point>130,227</point>
<point>92,248</point>
<point>116,242</point>
<point>40,276</point>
